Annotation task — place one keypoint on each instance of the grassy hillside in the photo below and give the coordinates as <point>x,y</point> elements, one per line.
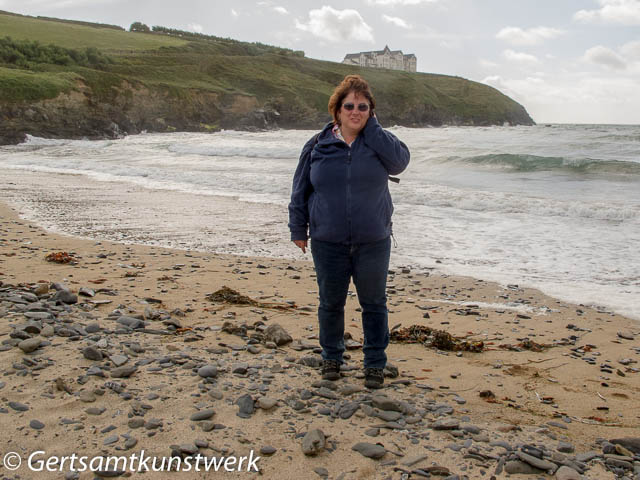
<point>185,72</point>
<point>72,35</point>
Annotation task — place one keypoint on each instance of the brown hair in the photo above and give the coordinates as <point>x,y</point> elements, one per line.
<point>351,83</point>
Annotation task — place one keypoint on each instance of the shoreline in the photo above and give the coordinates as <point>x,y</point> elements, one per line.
<point>126,212</point>
<point>540,398</point>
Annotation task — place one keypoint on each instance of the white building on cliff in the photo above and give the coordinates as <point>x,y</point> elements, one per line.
<point>392,59</point>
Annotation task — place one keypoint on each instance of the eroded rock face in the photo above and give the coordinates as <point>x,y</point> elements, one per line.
<point>128,109</point>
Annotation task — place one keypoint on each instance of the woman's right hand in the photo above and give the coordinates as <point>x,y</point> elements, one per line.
<point>302,244</point>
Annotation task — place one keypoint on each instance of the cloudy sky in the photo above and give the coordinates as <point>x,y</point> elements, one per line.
<point>566,61</point>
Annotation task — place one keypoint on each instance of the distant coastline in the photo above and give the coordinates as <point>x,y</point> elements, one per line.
<point>86,81</point>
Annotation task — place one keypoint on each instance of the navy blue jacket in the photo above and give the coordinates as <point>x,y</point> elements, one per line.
<point>341,193</point>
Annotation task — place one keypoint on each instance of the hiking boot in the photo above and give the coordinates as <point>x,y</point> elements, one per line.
<point>330,370</point>
<point>373,377</point>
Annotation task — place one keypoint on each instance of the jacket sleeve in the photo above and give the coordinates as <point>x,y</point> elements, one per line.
<point>393,153</point>
<point>300,192</point>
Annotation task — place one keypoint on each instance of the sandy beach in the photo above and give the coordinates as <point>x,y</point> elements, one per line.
<point>559,377</point>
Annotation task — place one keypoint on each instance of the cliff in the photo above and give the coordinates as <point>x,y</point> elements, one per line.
<point>89,81</point>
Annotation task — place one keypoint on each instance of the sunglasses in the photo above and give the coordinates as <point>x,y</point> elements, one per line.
<point>362,107</point>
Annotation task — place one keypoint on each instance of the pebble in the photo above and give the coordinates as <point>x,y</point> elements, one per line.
<point>445,424</point>
<point>245,406</point>
<point>119,360</point>
<point>537,462</point>
<point>240,368</point>
<point>36,424</point>
<point>18,407</point>
<point>208,371</point>
<point>266,403</point>
<point>369,450</point>
<point>519,467</point>
<point>268,450</point>
<point>30,345</point>
<point>203,415</point>
<point>92,353</point>
<point>276,334</point>
<point>566,473</point>
<point>123,372</point>
<point>313,442</point>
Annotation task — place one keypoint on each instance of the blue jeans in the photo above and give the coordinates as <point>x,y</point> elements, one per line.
<point>368,264</point>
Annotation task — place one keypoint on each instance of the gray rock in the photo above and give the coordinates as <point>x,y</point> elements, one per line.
<point>36,424</point>
<point>268,450</point>
<point>445,424</point>
<point>322,472</point>
<point>313,442</point>
<point>136,422</point>
<point>123,372</point>
<point>369,450</point>
<point>586,457</point>
<point>18,407</point>
<point>29,345</point>
<point>65,296</point>
<point>385,403</point>
<point>47,331</point>
<point>472,429</point>
<point>208,371</point>
<point>95,410</point>
<point>93,328</point>
<point>626,335</point>
<point>119,360</point>
<point>566,473</point>
<point>130,322</point>
<point>153,424</point>
<point>387,415</point>
<point>518,467</point>
<point>245,406</point>
<point>348,409</point>
<point>350,389</point>
<point>276,334</point>
<point>314,361</point>
<point>203,415</point>
<point>189,448</point>
<point>537,462</point>
<point>130,443</point>
<point>240,368</point>
<point>630,443</point>
<point>565,447</point>
<point>92,353</point>
<point>266,403</point>
<point>110,440</point>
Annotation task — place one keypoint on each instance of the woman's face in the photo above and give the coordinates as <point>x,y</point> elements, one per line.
<point>353,120</point>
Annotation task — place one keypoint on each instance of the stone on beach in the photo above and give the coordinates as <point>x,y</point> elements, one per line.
<point>30,345</point>
<point>313,442</point>
<point>369,450</point>
<point>276,334</point>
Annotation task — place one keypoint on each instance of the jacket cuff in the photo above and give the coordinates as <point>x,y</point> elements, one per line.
<point>371,125</point>
<point>298,235</point>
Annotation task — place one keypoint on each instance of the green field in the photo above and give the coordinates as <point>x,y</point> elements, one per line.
<point>74,36</point>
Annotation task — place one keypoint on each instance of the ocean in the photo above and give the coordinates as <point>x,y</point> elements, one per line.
<point>555,207</point>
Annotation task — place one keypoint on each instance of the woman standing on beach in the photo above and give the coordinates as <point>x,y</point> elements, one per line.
<point>340,195</point>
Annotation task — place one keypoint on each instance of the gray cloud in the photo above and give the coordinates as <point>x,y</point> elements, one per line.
<point>605,56</point>
<point>626,12</point>
<point>337,25</point>
<point>531,36</point>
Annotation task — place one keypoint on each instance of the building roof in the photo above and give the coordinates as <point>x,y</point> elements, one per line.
<point>385,49</point>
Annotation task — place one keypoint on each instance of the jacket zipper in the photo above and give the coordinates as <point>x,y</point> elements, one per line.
<point>349,191</point>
